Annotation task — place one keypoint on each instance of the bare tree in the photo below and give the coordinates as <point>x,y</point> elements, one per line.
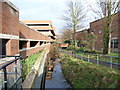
<point>89,41</point>
<point>107,8</point>
<point>73,17</point>
<point>66,35</point>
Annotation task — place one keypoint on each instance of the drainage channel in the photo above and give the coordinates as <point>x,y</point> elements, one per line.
<point>56,78</point>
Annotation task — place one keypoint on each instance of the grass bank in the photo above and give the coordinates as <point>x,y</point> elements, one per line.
<point>106,58</point>
<point>28,63</point>
<point>83,74</point>
<point>84,50</point>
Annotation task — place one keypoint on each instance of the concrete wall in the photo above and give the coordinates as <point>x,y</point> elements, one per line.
<point>28,52</point>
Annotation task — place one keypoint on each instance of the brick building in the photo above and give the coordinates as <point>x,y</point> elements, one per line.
<point>97,28</point>
<point>15,36</point>
<point>80,35</point>
<point>9,33</point>
<point>45,27</point>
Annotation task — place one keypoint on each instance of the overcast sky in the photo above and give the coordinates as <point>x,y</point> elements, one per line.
<point>47,10</point>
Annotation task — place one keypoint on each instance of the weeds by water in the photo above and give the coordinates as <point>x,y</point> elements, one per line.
<point>83,74</point>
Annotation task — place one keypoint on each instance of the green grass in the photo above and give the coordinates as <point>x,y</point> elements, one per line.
<point>102,58</point>
<point>83,74</point>
<point>28,64</point>
<point>114,54</point>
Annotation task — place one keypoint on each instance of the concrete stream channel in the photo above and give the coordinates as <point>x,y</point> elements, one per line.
<point>58,80</point>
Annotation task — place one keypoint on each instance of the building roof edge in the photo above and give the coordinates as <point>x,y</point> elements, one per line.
<point>10,4</point>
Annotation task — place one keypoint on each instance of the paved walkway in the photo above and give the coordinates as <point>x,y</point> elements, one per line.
<point>104,63</point>
<point>58,80</point>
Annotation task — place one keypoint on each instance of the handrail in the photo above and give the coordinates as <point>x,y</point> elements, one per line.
<point>96,54</point>
<point>8,56</point>
<point>100,55</point>
<point>89,60</point>
<point>10,62</point>
<point>4,69</point>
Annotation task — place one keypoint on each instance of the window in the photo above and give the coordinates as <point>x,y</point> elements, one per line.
<point>38,24</point>
<point>100,31</point>
<point>41,42</point>
<point>114,43</point>
<point>33,43</point>
<point>3,46</point>
<point>43,30</point>
<point>22,44</point>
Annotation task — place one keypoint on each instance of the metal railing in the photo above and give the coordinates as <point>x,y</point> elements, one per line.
<point>101,57</point>
<point>11,73</point>
<point>105,60</point>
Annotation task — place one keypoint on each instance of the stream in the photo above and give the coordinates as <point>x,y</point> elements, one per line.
<point>58,80</point>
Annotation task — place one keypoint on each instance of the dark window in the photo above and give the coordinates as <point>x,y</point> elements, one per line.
<point>33,43</point>
<point>111,43</point>
<point>114,43</point>
<point>43,30</point>
<point>3,46</point>
<point>38,24</point>
<point>22,44</point>
<point>41,42</point>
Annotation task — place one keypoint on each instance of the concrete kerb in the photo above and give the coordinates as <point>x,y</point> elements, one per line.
<point>29,81</point>
<point>39,78</point>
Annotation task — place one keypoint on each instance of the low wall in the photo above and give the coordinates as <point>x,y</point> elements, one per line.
<point>36,71</point>
<point>30,51</point>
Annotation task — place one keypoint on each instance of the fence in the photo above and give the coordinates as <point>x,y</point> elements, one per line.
<point>10,73</point>
<point>105,60</point>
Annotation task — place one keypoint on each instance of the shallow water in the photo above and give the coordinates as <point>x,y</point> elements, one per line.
<point>58,80</point>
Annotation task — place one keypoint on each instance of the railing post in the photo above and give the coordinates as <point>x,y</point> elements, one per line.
<point>97,59</point>
<point>88,58</point>
<point>5,78</point>
<point>110,62</point>
<point>76,56</point>
<point>16,72</point>
<point>81,57</point>
<point>21,70</point>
